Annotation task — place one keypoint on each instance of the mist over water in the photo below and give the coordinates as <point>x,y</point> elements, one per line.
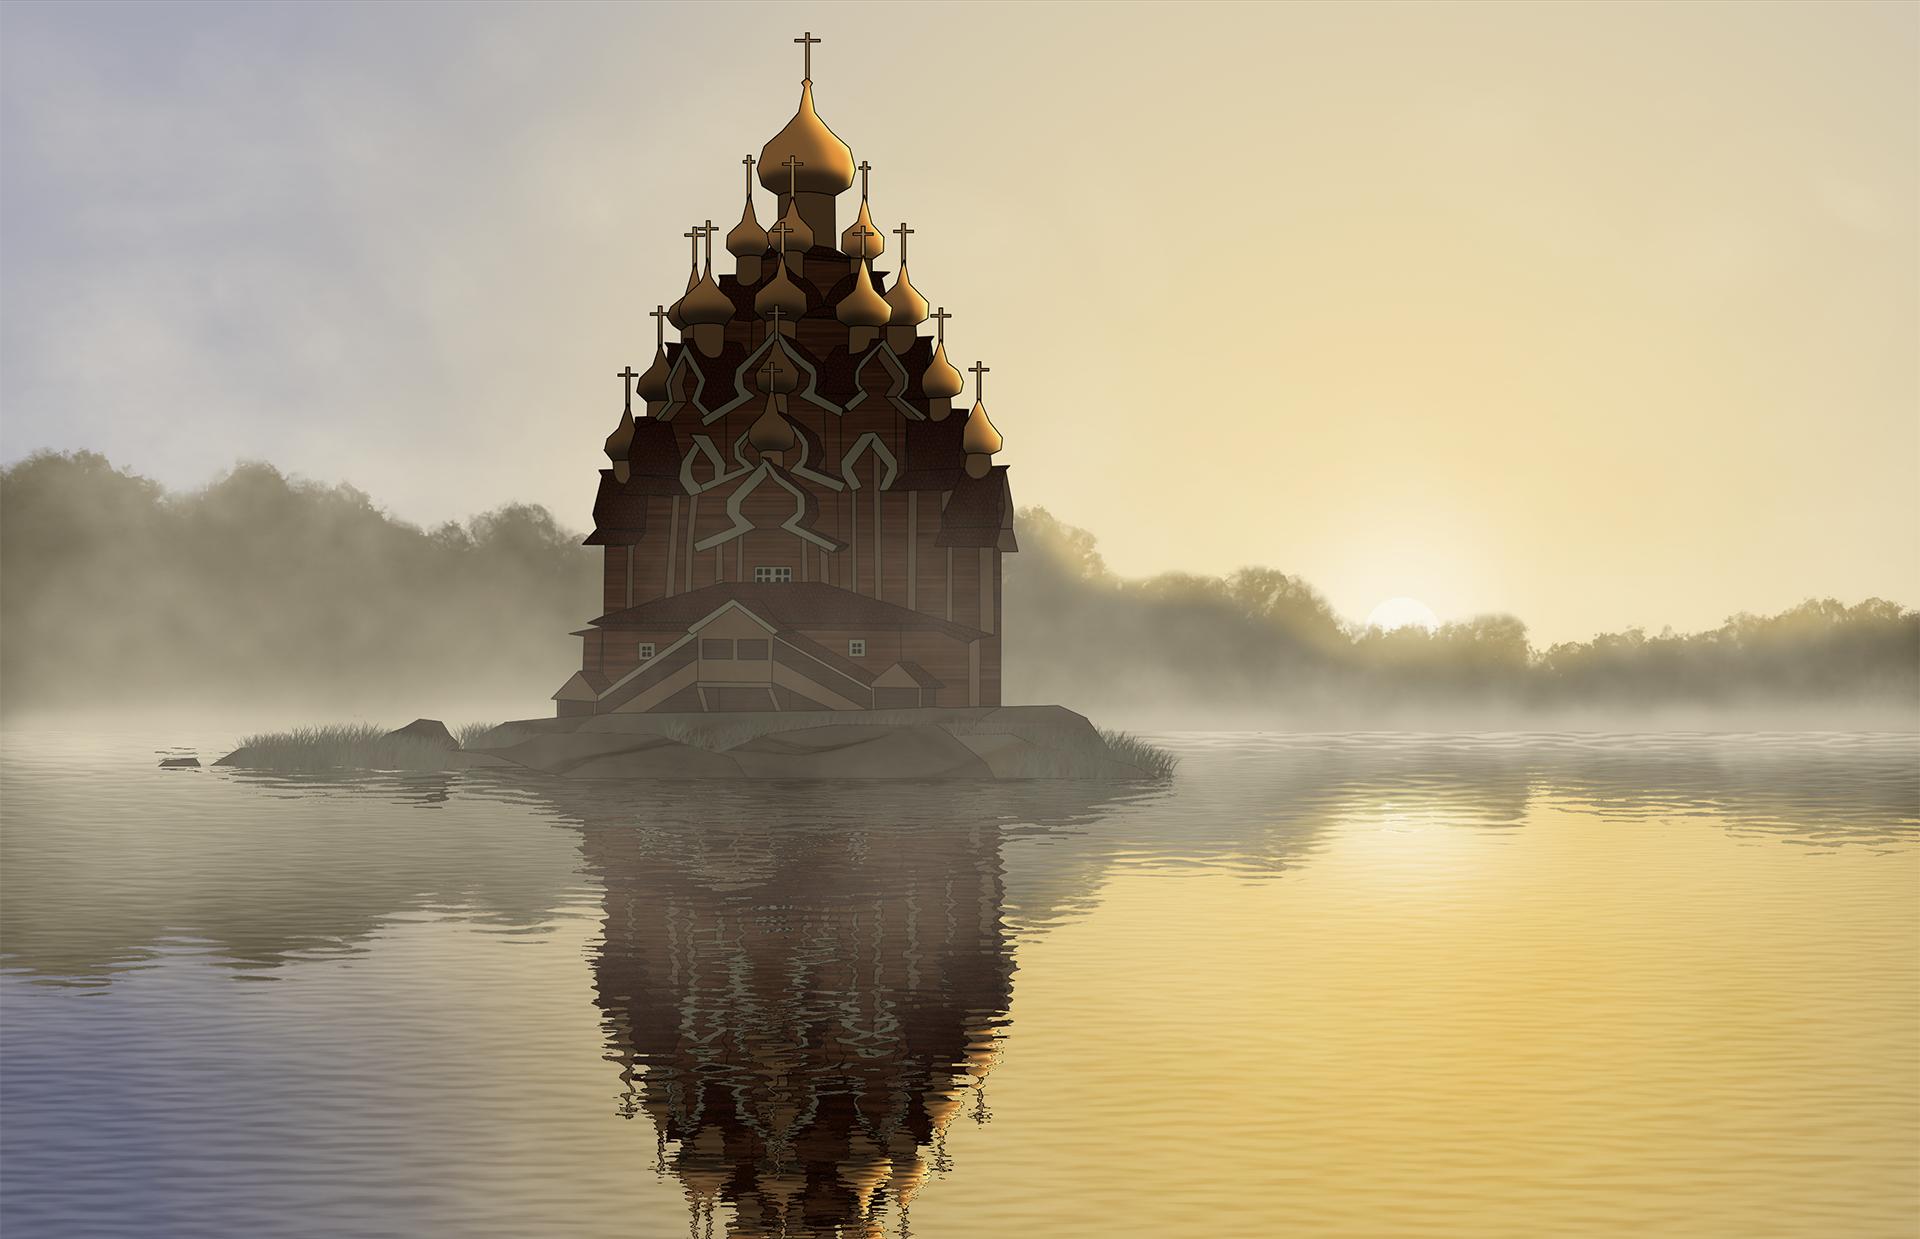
<point>1593,985</point>
<point>269,601</point>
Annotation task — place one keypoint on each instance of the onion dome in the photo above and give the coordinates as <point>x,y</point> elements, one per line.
<point>978,435</point>
<point>748,239</point>
<point>907,305</point>
<point>771,432</point>
<point>621,439</point>
<point>826,163</point>
<point>652,383</point>
<point>942,381</point>
<point>705,304</point>
<point>862,226</point>
<point>792,234</point>
<point>782,293</point>
<point>673,311</point>
<point>778,374</point>
<point>863,307</point>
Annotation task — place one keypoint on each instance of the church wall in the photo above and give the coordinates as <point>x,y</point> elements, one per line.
<point>944,657</point>
<point>650,556</point>
<point>930,561</point>
<point>613,578</point>
<point>966,585</point>
<point>774,547</point>
<point>893,547</point>
<point>990,671</point>
<point>619,651</point>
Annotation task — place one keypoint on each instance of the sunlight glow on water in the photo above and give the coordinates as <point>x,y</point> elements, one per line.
<point>1322,985</point>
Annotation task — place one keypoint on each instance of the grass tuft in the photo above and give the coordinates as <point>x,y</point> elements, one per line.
<point>467,733</point>
<point>336,746</point>
<point>1134,751</point>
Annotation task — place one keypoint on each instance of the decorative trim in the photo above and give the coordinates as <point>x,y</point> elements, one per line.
<point>901,383</point>
<point>742,525</point>
<point>879,449</point>
<point>703,445</point>
<point>744,390</point>
<point>673,406</point>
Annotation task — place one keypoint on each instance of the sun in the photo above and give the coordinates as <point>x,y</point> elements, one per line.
<point>1402,613</point>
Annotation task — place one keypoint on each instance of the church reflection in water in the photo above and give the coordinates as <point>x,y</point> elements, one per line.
<point>802,1009</point>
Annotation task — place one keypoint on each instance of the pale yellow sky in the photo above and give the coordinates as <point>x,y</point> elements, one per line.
<point>1599,315</point>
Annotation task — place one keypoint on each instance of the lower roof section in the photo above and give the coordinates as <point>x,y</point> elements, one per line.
<point>793,605</point>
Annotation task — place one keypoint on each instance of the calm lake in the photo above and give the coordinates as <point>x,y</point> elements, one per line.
<point>1356,985</point>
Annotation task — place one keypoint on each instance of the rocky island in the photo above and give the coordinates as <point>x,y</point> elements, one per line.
<point>1001,742</point>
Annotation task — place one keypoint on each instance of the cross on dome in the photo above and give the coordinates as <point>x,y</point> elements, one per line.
<point>806,41</point>
<point>626,378</point>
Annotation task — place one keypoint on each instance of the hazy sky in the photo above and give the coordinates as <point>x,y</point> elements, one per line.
<point>1599,315</point>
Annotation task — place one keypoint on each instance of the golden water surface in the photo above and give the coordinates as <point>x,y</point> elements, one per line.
<point>1361,985</point>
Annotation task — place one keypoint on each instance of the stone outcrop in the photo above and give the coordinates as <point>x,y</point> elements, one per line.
<point>426,731</point>
<point>1008,742</point>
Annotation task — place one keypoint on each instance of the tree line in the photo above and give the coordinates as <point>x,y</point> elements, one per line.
<point>265,588</point>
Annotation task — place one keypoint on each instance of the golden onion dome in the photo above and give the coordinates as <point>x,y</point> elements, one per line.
<point>796,231</point>
<point>863,307</point>
<point>705,304</point>
<point>621,439</point>
<point>826,163</point>
<point>771,432</point>
<point>978,435</point>
<point>748,238</point>
<point>862,225</point>
<point>673,311</point>
<point>652,383</point>
<point>778,373</point>
<point>780,293</point>
<point>943,380</point>
<point>908,306</point>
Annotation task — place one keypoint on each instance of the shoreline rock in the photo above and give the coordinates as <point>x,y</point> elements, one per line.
<point>977,744</point>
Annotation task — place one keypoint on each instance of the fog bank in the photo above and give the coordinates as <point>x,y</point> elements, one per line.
<point>266,598</point>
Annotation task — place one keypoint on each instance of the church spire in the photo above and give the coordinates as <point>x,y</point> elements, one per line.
<point>942,380</point>
<point>978,438</point>
<point>705,309</point>
<point>907,309</point>
<point>828,160</point>
<point>748,241</point>
<point>652,385</point>
<point>693,276</point>
<point>620,442</point>
<point>863,310</point>
<point>861,239</point>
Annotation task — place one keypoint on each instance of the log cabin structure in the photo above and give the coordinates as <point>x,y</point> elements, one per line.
<point>798,518</point>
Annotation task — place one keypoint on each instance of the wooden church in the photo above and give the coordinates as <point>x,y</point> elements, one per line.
<point>799,518</point>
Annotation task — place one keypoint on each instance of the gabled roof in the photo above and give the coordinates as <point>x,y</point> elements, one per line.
<point>904,674</point>
<point>797,605</point>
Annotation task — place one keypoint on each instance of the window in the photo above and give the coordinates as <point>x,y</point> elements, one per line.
<point>717,648</point>
<point>772,576</point>
<point>750,649</point>
<point>646,650</point>
<point>857,648</point>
